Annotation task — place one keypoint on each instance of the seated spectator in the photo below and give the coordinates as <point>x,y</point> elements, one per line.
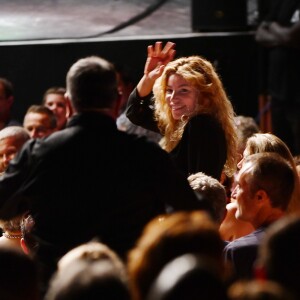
<point>264,188</point>
<point>90,271</point>
<point>18,276</point>
<point>54,98</point>
<point>212,191</point>
<point>258,290</point>
<point>93,251</point>
<point>168,237</point>
<point>40,121</point>
<point>190,277</point>
<point>258,143</point>
<point>12,139</point>
<point>6,104</point>
<point>278,256</point>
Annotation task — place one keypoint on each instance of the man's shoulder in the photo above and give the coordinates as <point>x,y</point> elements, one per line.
<point>251,240</point>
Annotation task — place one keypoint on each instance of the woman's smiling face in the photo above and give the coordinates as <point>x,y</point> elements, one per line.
<point>181,96</point>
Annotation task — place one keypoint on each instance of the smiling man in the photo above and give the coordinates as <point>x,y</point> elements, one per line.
<point>264,188</point>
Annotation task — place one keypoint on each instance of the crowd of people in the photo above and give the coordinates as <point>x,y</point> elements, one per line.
<point>209,209</point>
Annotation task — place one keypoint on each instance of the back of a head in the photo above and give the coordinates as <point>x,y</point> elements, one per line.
<point>168,237</point>
<point>279,253</point>
<point>188,277</point>
<point>18,276</point>
<point>273,174</point>
<point>258,290</point>
<point>212,190</point>
<point>92,84</point>
<point>88,280</point>
<point>246,127</point>
<point>267,142</point>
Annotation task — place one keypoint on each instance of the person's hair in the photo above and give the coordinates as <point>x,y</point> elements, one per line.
<point>212,190</point>
<point>90,280</point>
<point>267,142</point>
<point>19,134</point>
<point>297,160</point>
<point>258,290</point>
<point>167,237</point>
<point>92,84</point>
<point>53,90</point>
<point>279,251</point>
<point>201,74</point>
<point>28,234</point>
<point>12,225</point>
<point>189,276</point>
<point>8,87</point>
<point>273,174</point>
<point>18,276</point>
<point>246,127</point>
<point>41,109</point>
<point>93,251</point>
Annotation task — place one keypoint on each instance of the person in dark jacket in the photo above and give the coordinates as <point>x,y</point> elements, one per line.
<point>190,109</point>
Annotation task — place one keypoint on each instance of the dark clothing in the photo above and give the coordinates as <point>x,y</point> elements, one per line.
<point>202,147</point>
<point>281,61</point>
<point>91,180</point>
<point>242,253</point>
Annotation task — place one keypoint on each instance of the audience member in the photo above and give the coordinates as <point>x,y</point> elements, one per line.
<point>103,187</point>
<point>101,273</point>
<point>29,242</point>
<point>54,98</point>
<point>12,139</point>
<point>18,276</point>
<point>40,121</point>
<point>278,256</point>
<point>263,191</point>
<point>267,142</point>
<point>93,251</point>
<point>258,290</point>
<point>246,126</point>
<point>278,35</point>
<point>212,191</point>
<point>88,280</point>
<point>232,228</point>
<point>6,104</point>
<point>190,277</point>
<point>168,237</point>
<point>189,107</point>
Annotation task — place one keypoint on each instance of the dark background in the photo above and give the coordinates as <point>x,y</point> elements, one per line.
<point>56,36</point>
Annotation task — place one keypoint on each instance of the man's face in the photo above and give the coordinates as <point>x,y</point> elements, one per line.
<point>8,151</point>
<point>37,124</point>
<point>246,205</point>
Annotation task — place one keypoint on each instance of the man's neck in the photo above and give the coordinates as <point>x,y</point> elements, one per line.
<point>267,219</point>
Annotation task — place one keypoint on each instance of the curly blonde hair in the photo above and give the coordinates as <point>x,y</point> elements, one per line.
<point>201,74</point>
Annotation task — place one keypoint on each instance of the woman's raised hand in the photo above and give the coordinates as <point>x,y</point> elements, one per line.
<point>158,58</point>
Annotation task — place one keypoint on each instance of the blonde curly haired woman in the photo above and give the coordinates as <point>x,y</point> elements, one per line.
<point>185,101</point>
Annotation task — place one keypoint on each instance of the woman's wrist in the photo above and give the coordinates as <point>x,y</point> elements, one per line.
<point>145,86</point>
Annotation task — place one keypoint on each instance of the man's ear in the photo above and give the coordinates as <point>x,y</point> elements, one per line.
<point>261,195</point>
<point>69,106</point>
